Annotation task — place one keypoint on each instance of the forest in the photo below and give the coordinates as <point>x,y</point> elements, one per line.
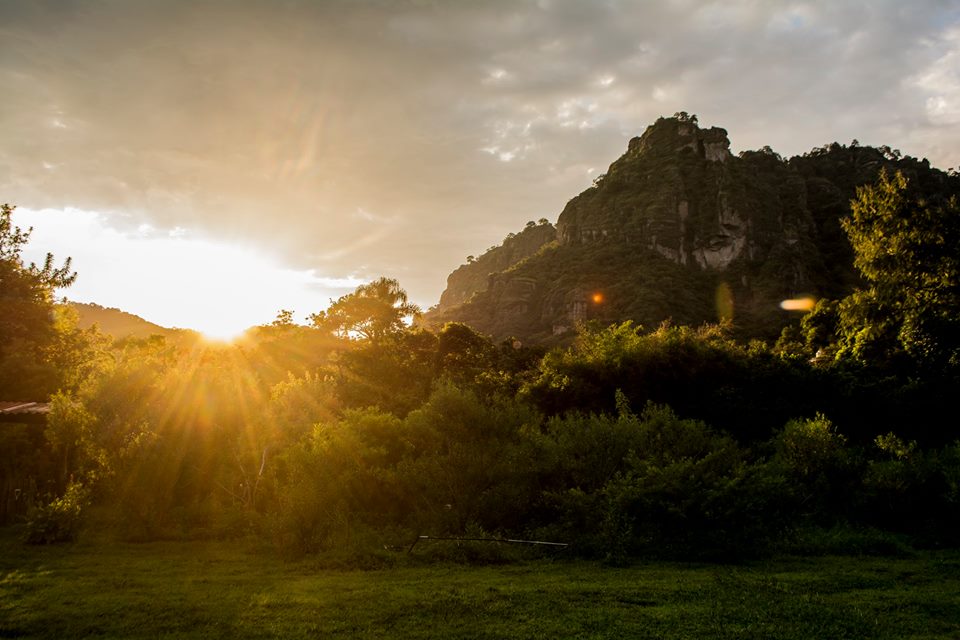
<point>354,434</point>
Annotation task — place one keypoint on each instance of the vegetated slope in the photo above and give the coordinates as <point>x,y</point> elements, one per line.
<point>472,277</point>
<point>679,228</point>
<point>117,323</point>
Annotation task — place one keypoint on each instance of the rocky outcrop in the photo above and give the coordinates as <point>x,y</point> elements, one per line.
<point>675,221</point>
<point>474,276</point>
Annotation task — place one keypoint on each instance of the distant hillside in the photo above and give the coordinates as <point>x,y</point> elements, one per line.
<point>119,324</point>
<point>679,228</point>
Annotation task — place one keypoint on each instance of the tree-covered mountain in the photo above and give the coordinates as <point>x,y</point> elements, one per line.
<point>681,229</point>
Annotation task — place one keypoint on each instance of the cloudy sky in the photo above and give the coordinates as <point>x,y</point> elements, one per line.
<point>207,163</point>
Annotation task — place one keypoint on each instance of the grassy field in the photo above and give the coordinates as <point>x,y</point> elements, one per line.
<point>210,590</point>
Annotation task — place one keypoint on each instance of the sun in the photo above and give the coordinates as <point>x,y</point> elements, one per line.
<point>225,333</point>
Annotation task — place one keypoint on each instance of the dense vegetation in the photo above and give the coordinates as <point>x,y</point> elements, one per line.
<point>362,430</point>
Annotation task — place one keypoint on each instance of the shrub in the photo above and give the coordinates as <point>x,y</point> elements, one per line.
<point>912,490</point>
<point>822,470</point>
<point>659,484</point>
<point>59,520</point>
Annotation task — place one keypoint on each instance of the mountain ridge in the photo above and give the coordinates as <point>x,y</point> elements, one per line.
<point>681,229</point>
<point>118,323</point>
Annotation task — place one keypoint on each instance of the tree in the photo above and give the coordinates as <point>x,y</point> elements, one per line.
<point>12,241</point>
<point>284,319</point>
<point>907,250</point>
<point>463,354</point>
<point>373,311</point>
<point>27,324</point>
<point>394,374</point>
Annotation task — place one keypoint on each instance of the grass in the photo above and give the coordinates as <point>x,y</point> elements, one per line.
<point>210,590</point>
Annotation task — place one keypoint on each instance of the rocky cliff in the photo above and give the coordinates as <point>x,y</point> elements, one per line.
<point>474,276</point>
<point>679,228</point>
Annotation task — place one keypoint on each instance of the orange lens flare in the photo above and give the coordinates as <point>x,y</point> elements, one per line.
<point>798,304</point>
<point>597,298</point>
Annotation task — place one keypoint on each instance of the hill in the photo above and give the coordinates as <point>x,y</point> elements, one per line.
<point>120,324</point>
<point>681,229</point>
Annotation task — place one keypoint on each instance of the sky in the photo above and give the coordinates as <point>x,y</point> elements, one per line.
<point>207,163</point>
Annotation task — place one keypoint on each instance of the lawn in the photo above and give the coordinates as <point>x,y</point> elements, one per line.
<point>210,590</point>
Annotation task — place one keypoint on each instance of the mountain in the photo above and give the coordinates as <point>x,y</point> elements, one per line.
<point>473,276</point>
<point>119,324</point>
<point>679,228</point>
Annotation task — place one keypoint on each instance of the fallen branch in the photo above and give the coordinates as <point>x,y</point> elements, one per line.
<point>507,540</point>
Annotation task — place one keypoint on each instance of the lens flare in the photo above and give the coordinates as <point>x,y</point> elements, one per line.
<point>723,299</point>
<point>798,304</point>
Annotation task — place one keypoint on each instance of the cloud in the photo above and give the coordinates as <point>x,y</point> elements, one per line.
<point>940,82</point>
<point>449,124</point>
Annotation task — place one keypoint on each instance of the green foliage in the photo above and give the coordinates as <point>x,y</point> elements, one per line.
<point>476,462</point>
<point>819,467</point>
<point>339,478</point>
<point>70,433</point>
<point>29,334</point>
<point>906,248</point>
<point>700,373</point>
<point>13,239</point>
<point>341,446</point>
<point>394,373</point>
<point>657,484</point>
<point>473,277</point>
<point>454,463</point>
<point>462,353</point>
<point>60,519</point>
<point>811,448</point>
<point>298,403</point>
<point>911,490</point>
<point>276,351</point>
<point>816,337</point>
<point>374,311</point>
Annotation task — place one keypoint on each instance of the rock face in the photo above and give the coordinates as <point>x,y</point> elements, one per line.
<point>675,224</point>
<point>474,276</point>
<point>682,210</point>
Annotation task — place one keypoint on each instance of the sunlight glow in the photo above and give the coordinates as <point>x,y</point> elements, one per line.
<point>175,279</point>
<point>215,337</point>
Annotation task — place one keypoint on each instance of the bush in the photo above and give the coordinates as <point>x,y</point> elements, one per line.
<point>699,373</point>
<point>658,484</point>
<point>821,469</point>
<point>911,490</point>
<point>59,520</point>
